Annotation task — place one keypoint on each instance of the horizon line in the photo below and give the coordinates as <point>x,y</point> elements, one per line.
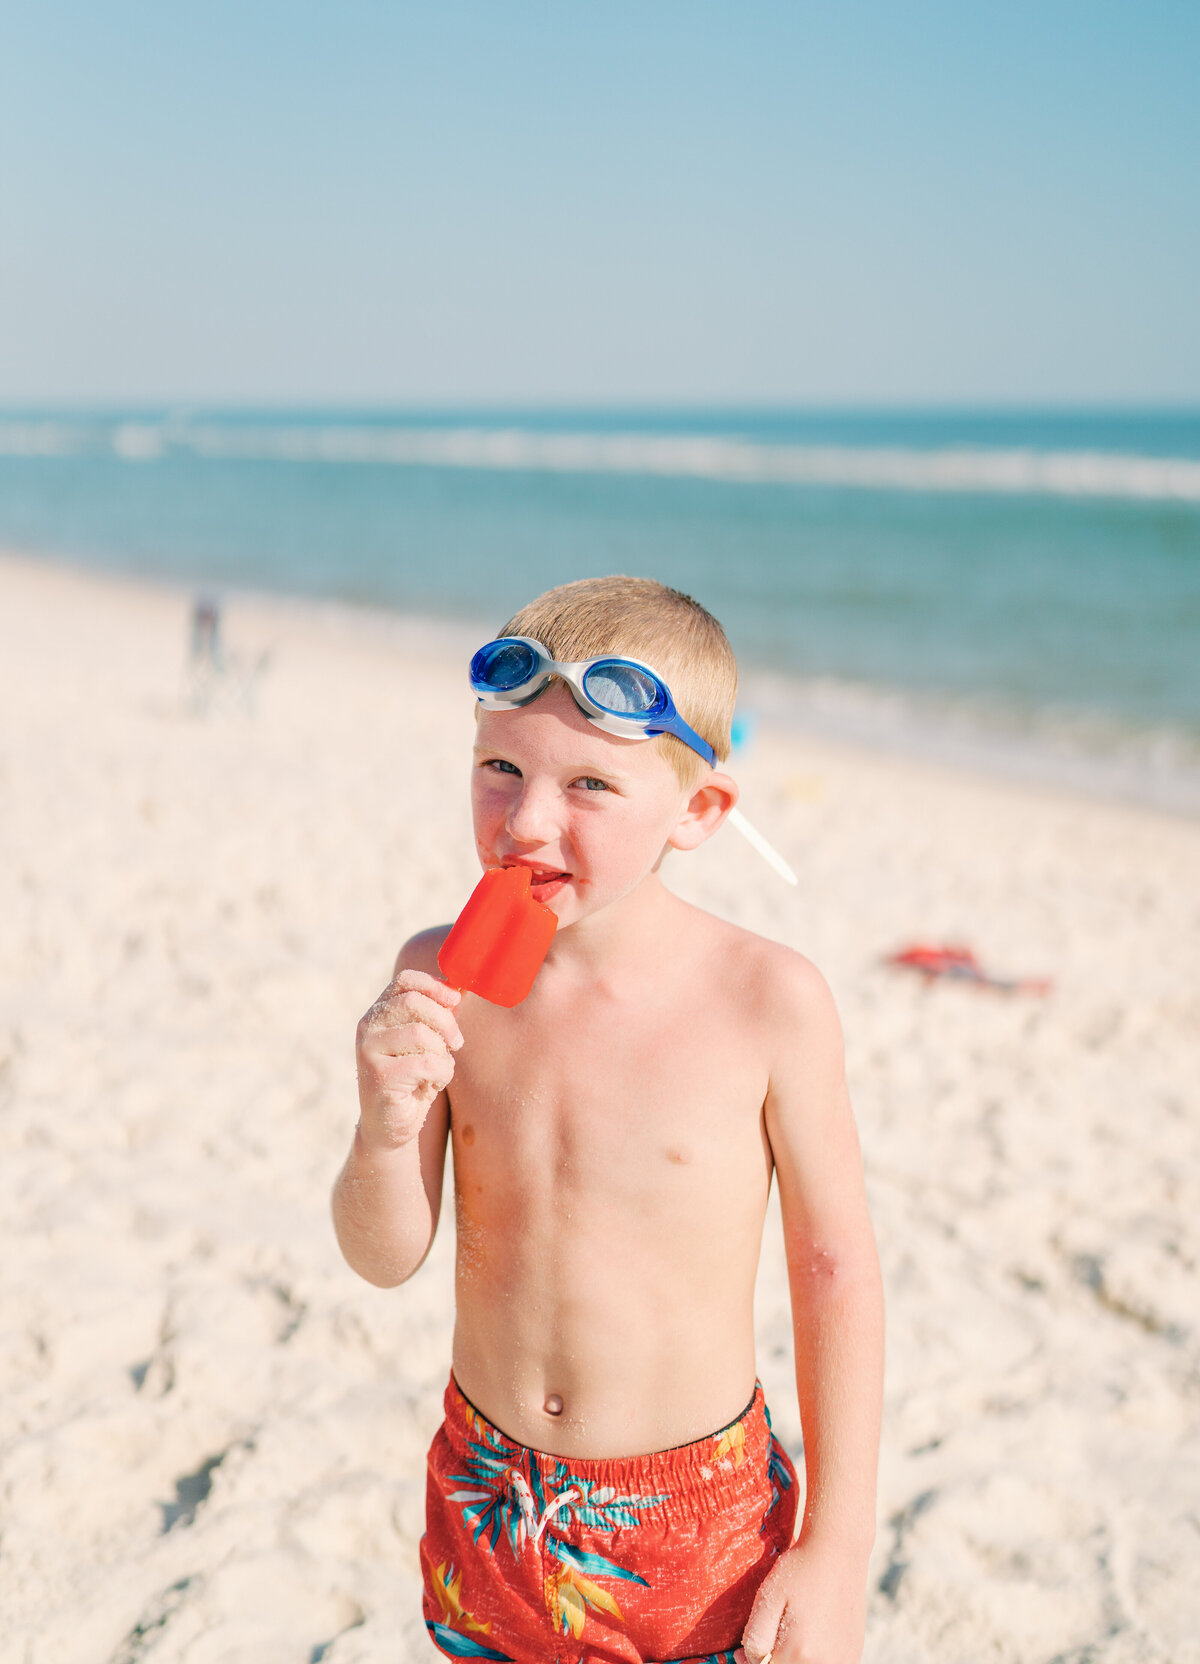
<point>435,403</point>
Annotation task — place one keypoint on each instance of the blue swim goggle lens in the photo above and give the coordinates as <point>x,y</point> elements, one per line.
<point>621,696</point>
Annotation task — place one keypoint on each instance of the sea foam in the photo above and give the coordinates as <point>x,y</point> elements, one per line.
<point>961,468</point>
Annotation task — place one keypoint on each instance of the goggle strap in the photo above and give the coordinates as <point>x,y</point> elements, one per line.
<point>681,730</point>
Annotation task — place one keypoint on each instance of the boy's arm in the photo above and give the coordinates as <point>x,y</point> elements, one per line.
<point>387,1197</point>
<point>811,1606</point>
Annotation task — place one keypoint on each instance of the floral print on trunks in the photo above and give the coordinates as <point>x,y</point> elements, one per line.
<point>529,1556</point>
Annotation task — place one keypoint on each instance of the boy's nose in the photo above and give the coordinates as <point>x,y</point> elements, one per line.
<point>533,817</point>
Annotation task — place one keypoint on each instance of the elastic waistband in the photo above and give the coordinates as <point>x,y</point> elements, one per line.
<point>706,1468</point>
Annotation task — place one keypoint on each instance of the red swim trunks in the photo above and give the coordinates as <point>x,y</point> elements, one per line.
<point>551,1560</point>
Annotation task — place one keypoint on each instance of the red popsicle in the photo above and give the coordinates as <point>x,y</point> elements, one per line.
<point>496,945</point>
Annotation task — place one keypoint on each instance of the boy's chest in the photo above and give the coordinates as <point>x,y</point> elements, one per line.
<point>627,1100</point>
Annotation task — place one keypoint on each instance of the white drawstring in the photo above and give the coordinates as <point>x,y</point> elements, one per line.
<point>756,841</point>
<point>535,1526</point>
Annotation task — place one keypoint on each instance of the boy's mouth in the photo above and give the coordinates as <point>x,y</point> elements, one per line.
<point>544,882</point>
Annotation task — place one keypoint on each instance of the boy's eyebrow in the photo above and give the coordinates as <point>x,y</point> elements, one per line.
<point>616,775</point>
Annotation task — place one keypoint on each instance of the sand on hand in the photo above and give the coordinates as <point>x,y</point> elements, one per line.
<point>212,1436</point>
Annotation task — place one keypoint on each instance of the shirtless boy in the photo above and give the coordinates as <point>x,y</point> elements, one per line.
<point>605,1486</point>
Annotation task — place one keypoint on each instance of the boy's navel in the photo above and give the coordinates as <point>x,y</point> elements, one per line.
<point>553,1405</point>
<point>680,1157</point>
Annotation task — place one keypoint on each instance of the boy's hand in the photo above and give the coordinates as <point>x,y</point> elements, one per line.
<point>404,1051</point>
<point>810,1609</point>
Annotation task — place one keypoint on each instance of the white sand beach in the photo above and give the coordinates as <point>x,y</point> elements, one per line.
<point>212,1435</point>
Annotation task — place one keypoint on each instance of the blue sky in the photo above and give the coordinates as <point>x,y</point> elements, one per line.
<point>664,201</point>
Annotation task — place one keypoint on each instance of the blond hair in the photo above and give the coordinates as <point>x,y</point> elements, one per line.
<point>641,619</point>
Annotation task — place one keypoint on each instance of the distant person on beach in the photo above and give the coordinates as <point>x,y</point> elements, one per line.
<point>606,1485</point>
<point>206,632</point>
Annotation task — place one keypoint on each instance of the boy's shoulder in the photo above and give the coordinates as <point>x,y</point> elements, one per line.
<point>420,952</point>
<point>779,1003</point>
<point>782,983</point>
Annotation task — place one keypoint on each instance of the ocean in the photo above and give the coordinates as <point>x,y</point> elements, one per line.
<point>1018,591</point>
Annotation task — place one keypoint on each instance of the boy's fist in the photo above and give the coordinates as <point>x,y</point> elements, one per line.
<point>404,1049</point>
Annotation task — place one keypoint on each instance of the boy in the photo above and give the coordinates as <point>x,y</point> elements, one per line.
<point>601,1489</point>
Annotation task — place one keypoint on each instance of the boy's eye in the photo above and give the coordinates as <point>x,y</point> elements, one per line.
<point>590,783</point>
<point>501,765</point>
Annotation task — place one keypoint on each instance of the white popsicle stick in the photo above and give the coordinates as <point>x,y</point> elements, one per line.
<point>756,840</point>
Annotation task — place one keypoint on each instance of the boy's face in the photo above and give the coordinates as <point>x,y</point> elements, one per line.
<point>588,813</point>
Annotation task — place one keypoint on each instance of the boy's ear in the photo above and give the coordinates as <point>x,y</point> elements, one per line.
<point>704,811</point>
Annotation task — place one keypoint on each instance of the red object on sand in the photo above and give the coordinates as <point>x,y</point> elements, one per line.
<point>961,965</point>
<point>498,942</point>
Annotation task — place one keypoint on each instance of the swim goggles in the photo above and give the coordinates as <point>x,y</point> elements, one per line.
<point>622,696</point>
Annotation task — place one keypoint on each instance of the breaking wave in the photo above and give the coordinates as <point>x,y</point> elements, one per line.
<point>963,469</point>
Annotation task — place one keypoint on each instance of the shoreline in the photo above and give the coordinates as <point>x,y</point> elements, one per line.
<point>877,721</point>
